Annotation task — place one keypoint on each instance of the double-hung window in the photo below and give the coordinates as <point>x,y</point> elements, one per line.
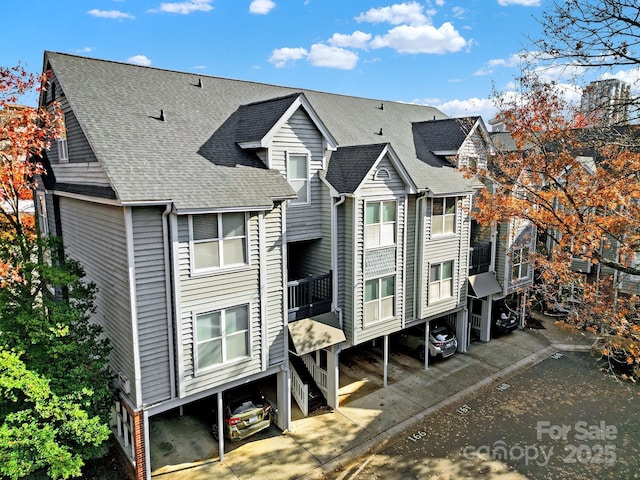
<point>298,175</point>
<point>219,240</point>
<point>379,299</point>
<point>441,281</point>
<point>520,263</point>
<point>443,216</point>
<point>63,148</point>
<point>222,336</point>
<point>380,224</point>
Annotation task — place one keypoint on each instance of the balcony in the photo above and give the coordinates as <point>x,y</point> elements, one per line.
<point>309,296</point>
<point>480,258</point>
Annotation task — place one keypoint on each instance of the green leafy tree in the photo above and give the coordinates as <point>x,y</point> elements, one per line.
<point>42,430</point>
<point>55,387</point>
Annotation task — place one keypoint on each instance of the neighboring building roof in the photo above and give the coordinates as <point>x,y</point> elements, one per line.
<point>445,135</point>
<point>193,158</point>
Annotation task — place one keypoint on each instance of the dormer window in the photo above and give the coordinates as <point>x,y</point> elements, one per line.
<point>298,177</point>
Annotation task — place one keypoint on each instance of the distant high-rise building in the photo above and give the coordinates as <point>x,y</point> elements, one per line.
<point>606,102</point>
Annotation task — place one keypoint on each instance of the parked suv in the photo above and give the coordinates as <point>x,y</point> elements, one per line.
<point>506,322</point>
<point>442,340</point>
<point>246,412</point>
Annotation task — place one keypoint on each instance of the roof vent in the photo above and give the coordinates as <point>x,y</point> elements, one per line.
<point>162,118</point>
<point>200,82</point>
<point>381,106</point>
<point>380,132</point>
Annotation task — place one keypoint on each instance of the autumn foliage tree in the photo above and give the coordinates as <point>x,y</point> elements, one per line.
<point>55,391</point>
<point>580,187</point>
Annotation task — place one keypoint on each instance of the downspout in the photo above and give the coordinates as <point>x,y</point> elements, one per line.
<point>334,254</point>
<point>418,257</point>
<point>169,295</point>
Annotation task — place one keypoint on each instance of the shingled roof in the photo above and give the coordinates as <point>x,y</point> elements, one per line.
<point>349,165</point>
<point>192,157</point>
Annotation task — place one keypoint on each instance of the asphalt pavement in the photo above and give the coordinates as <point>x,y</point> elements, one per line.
<point>370,416</point>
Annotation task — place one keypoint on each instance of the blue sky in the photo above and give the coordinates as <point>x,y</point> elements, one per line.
<point>451,54</point>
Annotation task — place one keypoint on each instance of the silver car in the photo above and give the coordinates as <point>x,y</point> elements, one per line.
<point>442,340</point>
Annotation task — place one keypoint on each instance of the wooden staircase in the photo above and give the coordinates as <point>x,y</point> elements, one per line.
<point>315,398</point>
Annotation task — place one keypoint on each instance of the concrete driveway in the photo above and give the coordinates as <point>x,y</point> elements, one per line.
<point>369,414</point>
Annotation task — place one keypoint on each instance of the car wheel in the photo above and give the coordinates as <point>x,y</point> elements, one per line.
<point>420,352</point>
<point>214,431</point>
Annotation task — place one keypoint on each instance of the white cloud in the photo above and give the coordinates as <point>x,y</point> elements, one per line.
<point>421,39</point>
<point>280,57</point>
<point>515,60</point>
<point>83,50</point>
<point>440,3</point>
<point>184,8</point>
<point>113,14</point>
<point>458,12</point>
<point>139,60</point>
<point>261,7</point>
<point>333,57</point>
<point>632,77</point>
<point>357,39</point>
<point>469,107</point>
<point>524,3</point>
<point>409,13</point>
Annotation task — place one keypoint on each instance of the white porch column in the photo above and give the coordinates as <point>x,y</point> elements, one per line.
<point>283,385</point>
<point>386,358</point>
<point>487,313</point>
<point>462,330</point>
<point>333,376</point>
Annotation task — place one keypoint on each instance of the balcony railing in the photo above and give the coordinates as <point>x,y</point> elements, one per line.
<point>480,258</point>
<point>309,296</point>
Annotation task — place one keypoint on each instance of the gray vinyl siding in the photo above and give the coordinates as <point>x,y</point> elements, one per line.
<point>390,186</point>
<point>317,257</point>
<point>345,266</point>
<point>383,261</point>
<point>300,135</point>
<point>502,250</point>
<point>519,236</point>
<point>275,318</point>
<point>80,150</point>
<point>437,250</point>
<point>95,235</point>
<point>410,259</point>
<point>386,261</point>
<point>151,303</point>
<point>473,146</point>
<point>201,293</point>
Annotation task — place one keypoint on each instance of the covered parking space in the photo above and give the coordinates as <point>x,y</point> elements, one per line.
<point>182,437</point>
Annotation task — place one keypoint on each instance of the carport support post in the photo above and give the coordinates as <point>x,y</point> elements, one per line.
<point>386,358</point>
<point>283,385</point>
<point>220,428</point>
<point>426,346</point>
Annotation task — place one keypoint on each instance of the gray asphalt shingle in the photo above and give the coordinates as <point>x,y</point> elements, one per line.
<point>192,157</point>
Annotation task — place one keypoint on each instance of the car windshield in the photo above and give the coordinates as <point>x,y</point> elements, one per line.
<point>245,404</point>
<point>441,333</point>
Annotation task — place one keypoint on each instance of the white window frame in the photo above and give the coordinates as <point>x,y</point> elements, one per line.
<point>439,222</point>
<point>441,282</point>
<point>520,261</point>
<point>63,147</point>
<point>220,240</point>
<point>122,427</point>
<point>379,301</point>
<point>222,338</point>
<point>376,240</point>
<point>293,180</point>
